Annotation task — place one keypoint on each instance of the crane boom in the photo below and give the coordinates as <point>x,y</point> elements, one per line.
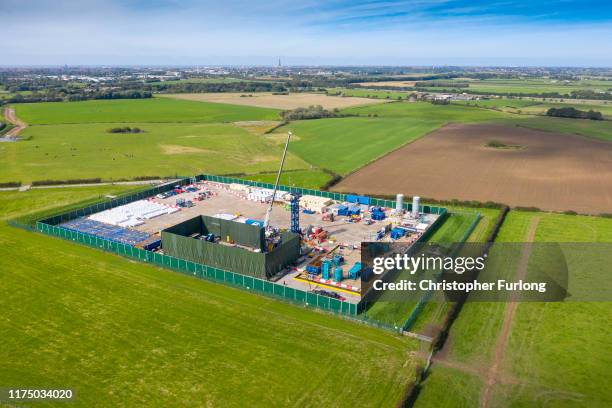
<point>280,170</point>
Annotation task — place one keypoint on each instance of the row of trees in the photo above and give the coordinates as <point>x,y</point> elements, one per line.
<point>574,113</point>
<point>55,97</point>
<point>111,95</point>
<point>190,87</point>
<point>442,84</point>
<point>311,112</point>
<point>125,129</point>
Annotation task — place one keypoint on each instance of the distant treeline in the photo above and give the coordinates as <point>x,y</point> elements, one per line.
<point>188,87</point>
<point>52,97</point>
<point>442,84</point>
<point>579,94</point>
<point>574,113</point>
<point>111,95</point>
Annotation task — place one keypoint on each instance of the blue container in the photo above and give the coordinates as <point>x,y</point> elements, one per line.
<point>364,200</point>
<point>354,271</point>
<point>254,222</point>
<point>351,198</point>
<point>397,233</point>
<point>337,259</point>
<point>314,270</point>
<point>378,215</point>
<point>325,269</point>
<point>338,274</point>
<point>343,210</point>
<point>152,245</point>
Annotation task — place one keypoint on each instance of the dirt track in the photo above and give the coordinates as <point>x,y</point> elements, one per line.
<point>550,171</point>
<point>9,115</point>
<point>504,334</point>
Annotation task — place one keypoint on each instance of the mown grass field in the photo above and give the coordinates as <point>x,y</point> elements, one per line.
<point>345,144</point>
<point>557,354</point>
<point>427,111</point>
<point>368,93</point>
<point>129,334</point>
<point>299,178</point>
<point>155,110</point>
<point>503,103</point>
<point>540,109</point>
<point>527,86</point>
<point>87,150</point>
<point>598,129</point>
<point>472,114</point>
<point>537,107</point>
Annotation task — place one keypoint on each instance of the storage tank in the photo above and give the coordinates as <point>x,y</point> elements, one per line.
<point>325,265</point>
<point>338,274</point>
<point>416,201</point>
<point>399,204</point>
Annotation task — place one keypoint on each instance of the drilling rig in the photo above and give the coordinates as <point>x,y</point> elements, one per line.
<point>294,203</point>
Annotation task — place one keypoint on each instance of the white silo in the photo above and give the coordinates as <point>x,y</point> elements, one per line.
<point>399,204</point>
<point>416,200</point>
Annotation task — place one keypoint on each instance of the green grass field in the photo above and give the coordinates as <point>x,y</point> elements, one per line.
<point>503,103</point>
<point>536,107</point>
<point>558,353</point>
<point>528,86</point>
<point>300,178</point>
<point>428,111</point>
<point>470,114</point>
<point>129,334</point>
<point>155,110</point>
<point>598,129</point>
<point>76,144</point>
<point>345,144</point>
<point>540,109</point>
<point>88,150</point>
<point>368,93</point>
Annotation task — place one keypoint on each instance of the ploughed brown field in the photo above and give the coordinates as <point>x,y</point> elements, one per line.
<point>528,168</point>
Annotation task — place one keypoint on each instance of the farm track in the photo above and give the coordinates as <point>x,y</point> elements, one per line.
<point>492,376</point>
<point>11,117</point>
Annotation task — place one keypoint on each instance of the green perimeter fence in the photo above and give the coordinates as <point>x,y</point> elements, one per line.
<point>50,226</point>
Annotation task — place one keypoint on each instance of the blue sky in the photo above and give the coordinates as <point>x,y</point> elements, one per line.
<point>420,32</point>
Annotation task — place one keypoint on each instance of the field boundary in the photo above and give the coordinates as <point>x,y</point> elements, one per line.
<point>50,226</point>
<point>426,296</point>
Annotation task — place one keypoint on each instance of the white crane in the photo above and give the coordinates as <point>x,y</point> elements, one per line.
<point>280,170</point>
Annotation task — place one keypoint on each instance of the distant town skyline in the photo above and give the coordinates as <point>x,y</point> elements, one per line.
<point>240,32</point>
